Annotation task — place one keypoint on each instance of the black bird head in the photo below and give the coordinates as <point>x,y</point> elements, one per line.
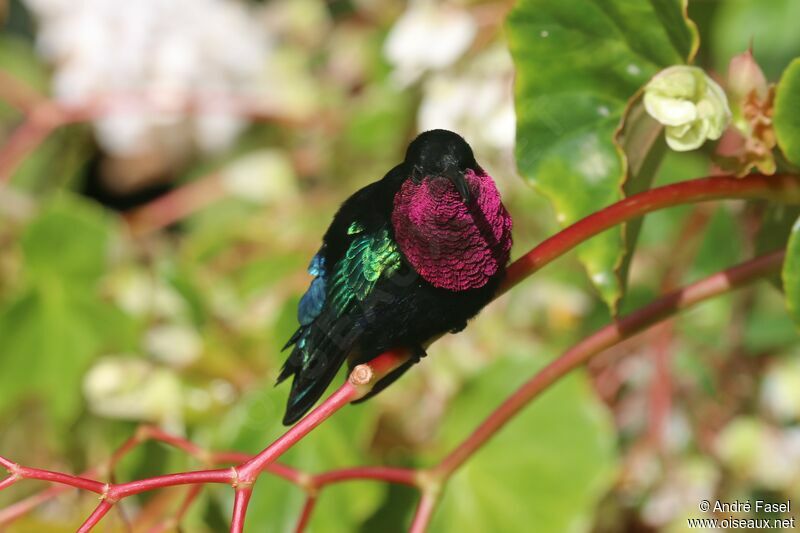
<point>441,153</point>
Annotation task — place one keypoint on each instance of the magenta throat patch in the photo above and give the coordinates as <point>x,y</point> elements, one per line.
<point>451,244</point>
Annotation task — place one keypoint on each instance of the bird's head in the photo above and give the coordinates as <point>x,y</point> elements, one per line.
<point>437,154</point>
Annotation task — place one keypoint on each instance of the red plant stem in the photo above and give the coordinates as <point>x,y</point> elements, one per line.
<point>605,337</point>
<point>249,471</point>
<point>784,188</point>
<point>424,513</point>
<point>100,511</point>
<point>660,388</point>
<point>7,482</point>
<point>349,391</point>
<point>24,140</point>
<point>64,479</point>
<point>20,508</point>
<point>240,502</point>
<point>158,434</point>
<point>123,490</point>
<point>191,496</point>
<point>175,205</point>
<point>403,476</point>
<point>18,94</point>
<point>305,514</point>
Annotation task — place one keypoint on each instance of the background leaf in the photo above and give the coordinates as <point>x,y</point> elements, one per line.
<point>786,118</point>
<point>578,63</point>
<point>58,325</point>
<point>791,273</point>
<point>562,457</point>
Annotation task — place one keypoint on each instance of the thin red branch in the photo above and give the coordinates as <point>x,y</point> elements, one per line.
<point>123,490</point>
<point>21,143</point>
<point>22,507</point>
<point>7,482</point>
<point>784,188</point>
<point>8,464</point>
<point>361,380</point>
<point>100,511</point>
<point>424,513</point>
<point>77,482</point>
<point>305,514</point>
<point>175,205</point>
<point>18,94</point>
<point>240,502</point>
<point>402,476</point>
<point>623,328</point>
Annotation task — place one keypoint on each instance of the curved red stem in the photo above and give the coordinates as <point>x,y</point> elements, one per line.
<point>424,513</point>
<point>240,502</point>
<point>605,337</point>
<point>305,514</point>
<point>403,476</point>
<point>784,188</point>
<point>100,511</point>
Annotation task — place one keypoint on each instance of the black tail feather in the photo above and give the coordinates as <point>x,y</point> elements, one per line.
<point>307,390</point>
<point>314,362</point>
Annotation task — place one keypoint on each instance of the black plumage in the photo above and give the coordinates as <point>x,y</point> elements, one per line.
<point>366,297</point>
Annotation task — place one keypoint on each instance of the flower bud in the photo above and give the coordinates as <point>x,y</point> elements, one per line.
<point>690,105</point>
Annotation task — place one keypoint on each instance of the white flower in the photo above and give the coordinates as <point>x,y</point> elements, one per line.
<point>130,388</point>
<point>163,56</point>
<point>261,177</point>
<point>175,344</point>
<point>477,102</point>
<point>691,106</point>
<point>780,392</point>
<point>428,37</point>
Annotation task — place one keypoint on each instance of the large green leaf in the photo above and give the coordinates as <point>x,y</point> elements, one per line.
<point>787,112</point>
<point>67,242</point>
<point>791,273</point>
<point>578,64</point>
<point>51,332</point>
<point>544,472</point>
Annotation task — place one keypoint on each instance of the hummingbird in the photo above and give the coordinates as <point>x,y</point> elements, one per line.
<point>407,258</point>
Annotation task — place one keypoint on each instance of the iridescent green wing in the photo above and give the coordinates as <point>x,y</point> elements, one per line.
<point>369,256</point>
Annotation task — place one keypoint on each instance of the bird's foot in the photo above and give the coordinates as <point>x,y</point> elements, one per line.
<point>459,327</point>
<point>417,354</point>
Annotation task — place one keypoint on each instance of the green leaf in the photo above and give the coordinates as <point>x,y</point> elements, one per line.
<point>50,336</point>
<point>67,242</point>
<point>774,231</point>
<point>786,116</point>
<point>578,64</point>
<point>52,331</point>
<point>791,273</point>
<point>543,472</point>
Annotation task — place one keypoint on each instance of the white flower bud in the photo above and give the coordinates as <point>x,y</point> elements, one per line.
<point>692,106</point>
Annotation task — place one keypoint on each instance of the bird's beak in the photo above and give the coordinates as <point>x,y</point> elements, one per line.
<point>457,178</point>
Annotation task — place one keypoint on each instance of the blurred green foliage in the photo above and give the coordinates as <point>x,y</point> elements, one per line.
<point>578,64</point>
<point>86,309</point>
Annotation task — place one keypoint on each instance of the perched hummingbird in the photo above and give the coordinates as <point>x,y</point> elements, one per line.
<point>406,258</point>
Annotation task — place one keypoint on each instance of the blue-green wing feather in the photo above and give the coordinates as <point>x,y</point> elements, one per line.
<point>313,300</point>
<point>332,299</point>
